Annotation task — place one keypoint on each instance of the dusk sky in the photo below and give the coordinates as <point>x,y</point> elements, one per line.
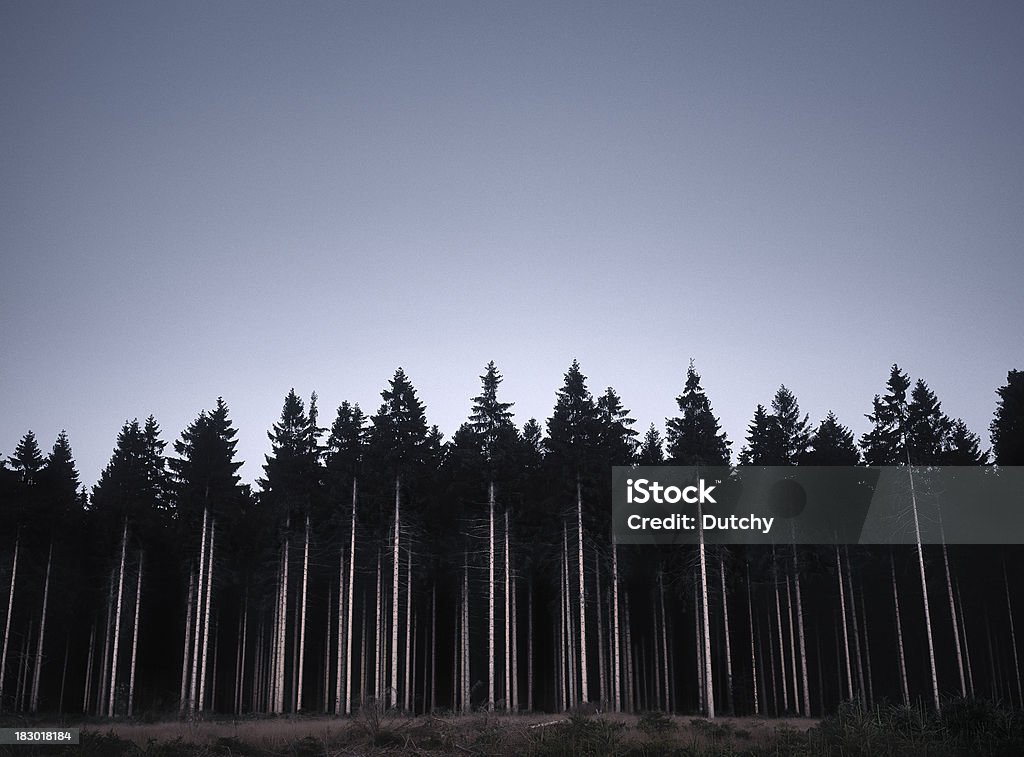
<point>204,199</point>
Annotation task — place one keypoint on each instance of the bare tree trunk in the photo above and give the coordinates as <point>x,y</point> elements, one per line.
<point>628,646</point>
<point>967,646</point>
<point>206,617</point>
<point>753,652</point>
<point>378,675</point>
<point>465,636</point>
<point>101,685</point>
<point>730,704</point>
<point>135,640</point>
<point>515,645</point>
<point>899,633</point>
<point>64,674</point>
<point>664,640</point>
<point>241,656</point>
<point>616,646</point>
<point>856,627</point>
<point>584,695</point>
<point>867,651</point>
<point>602,680</point>
<point>800,630</point>
<point>117,623</point>
<point>490,596</point>
<point>392,698</point>
<point>351,585</point>
<point>708,677</point>
<point>698,648</point>
<point>924,589</point>
<point>302,618</point>
<point>21,687</point>
<point>846,632</point>
<point>407,683</point>
<point>508,626</point>
<point>34,702</point>
<point>571,670</point>
<point>7,623</point>
<point>201,577</point>
<point>1013,638</point>
<point>88,669</point>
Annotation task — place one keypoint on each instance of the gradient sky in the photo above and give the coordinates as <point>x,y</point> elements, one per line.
<point>203,199</point>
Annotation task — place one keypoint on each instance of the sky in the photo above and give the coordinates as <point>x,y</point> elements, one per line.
<point>234,199</point>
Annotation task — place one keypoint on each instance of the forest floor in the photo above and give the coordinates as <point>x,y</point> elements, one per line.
<point>889,731</point>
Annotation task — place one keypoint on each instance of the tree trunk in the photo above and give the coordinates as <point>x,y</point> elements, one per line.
<point>64,674</point>
<point>904,688</point>
<point>407,683</point>
<point>664,642</point>
<point>924,589</point>
<point>508,625</point>
<point>616,641</point>
<point>88,669</point>
<point>753,651</point>
<point>34,703</point>
<point>967,646</point>
<point>709,682</point>
<point>378,675</point>
<point>117,623</point>
<point>490,596</point>
<point>7,623</point>
<point>602,680</point>
<point>584,696</point>
<point>856,628</point>
<point>201,577</point>
<point>800,630</point>
<point>302,619</point>
<point>730,704</point>
<point>351,585</point>
<point>135,640</point>
<point>846,632</point>
<point>433,646</point>
<point>392,698</point>
<point>206,618</point>
<point>340,648</point>
<point>529,647</point>
<point>867,651</point>
<point>1013,638</point>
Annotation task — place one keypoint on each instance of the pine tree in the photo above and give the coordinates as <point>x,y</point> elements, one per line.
<point>27,460</point>
<point>832,444</point>
<point>1007,427</point>
<point>886,442</point>
<point>695,437</point>
<point>794,434</point>
<point>616,439</point>
<point>652,451</point>
<point>763,445</point>
<point>927,426</point>
<point>962,447</point>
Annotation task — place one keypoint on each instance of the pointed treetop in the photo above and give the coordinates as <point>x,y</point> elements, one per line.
<point>832,444</point>
<point>27,459</point>
<point>651,450</point>
<point>1007,427</point>
<point>694,437</point>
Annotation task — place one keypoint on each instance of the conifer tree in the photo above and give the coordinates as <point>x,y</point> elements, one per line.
<point>694,437</point>
<point>27,460</point>
<point>832,444</point>
<point>1007,427</point>
<point>652,450</point>
<point>763,445</point>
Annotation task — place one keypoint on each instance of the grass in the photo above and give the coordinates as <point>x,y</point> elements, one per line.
<point>963,728</point>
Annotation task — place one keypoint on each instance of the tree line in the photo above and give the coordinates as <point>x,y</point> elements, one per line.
<point>377,562</point>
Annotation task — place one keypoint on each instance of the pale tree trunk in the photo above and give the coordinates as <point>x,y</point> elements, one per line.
<point>64,674</point>
<point>584,696</point>
<point>1013,638</point>
<point>846,631</point>
<point>378,675</point>
<point>407,682</point>
<point>753,651</point>
<point>628,646</point>
<point>508,645</point>
<point>34,703</point>
<point>967,646</point>
<point>515,645</point>
<point>88,669</point>
<point>7,623</point>
<point>339,651</point>
<point>616,645</point>
<point>924,589</point>
<point>351,585</point>
<point>664,640</point>
<point>201,577</point>
<point>782,642</point>
<point>569,626</point>
<point>867,651</point>
<point>905,689</point>
<point>490,596</point>
<point>240,689</point>
<point>101,685</point>
<point>465,635</point>
<point>698,649</point>
<point>22,683</point>
<point>117,623</point>
<point>135,639</point>
<point>952,610</point>
<point>392,698</point>
<point>602,679</point>
<point>856,627</point>
<point>302,619</point>
<point>206,618</point>
<point>730,704</point>
<point>800,630</point>
<point>709,682</point>
<point>792,643</point>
